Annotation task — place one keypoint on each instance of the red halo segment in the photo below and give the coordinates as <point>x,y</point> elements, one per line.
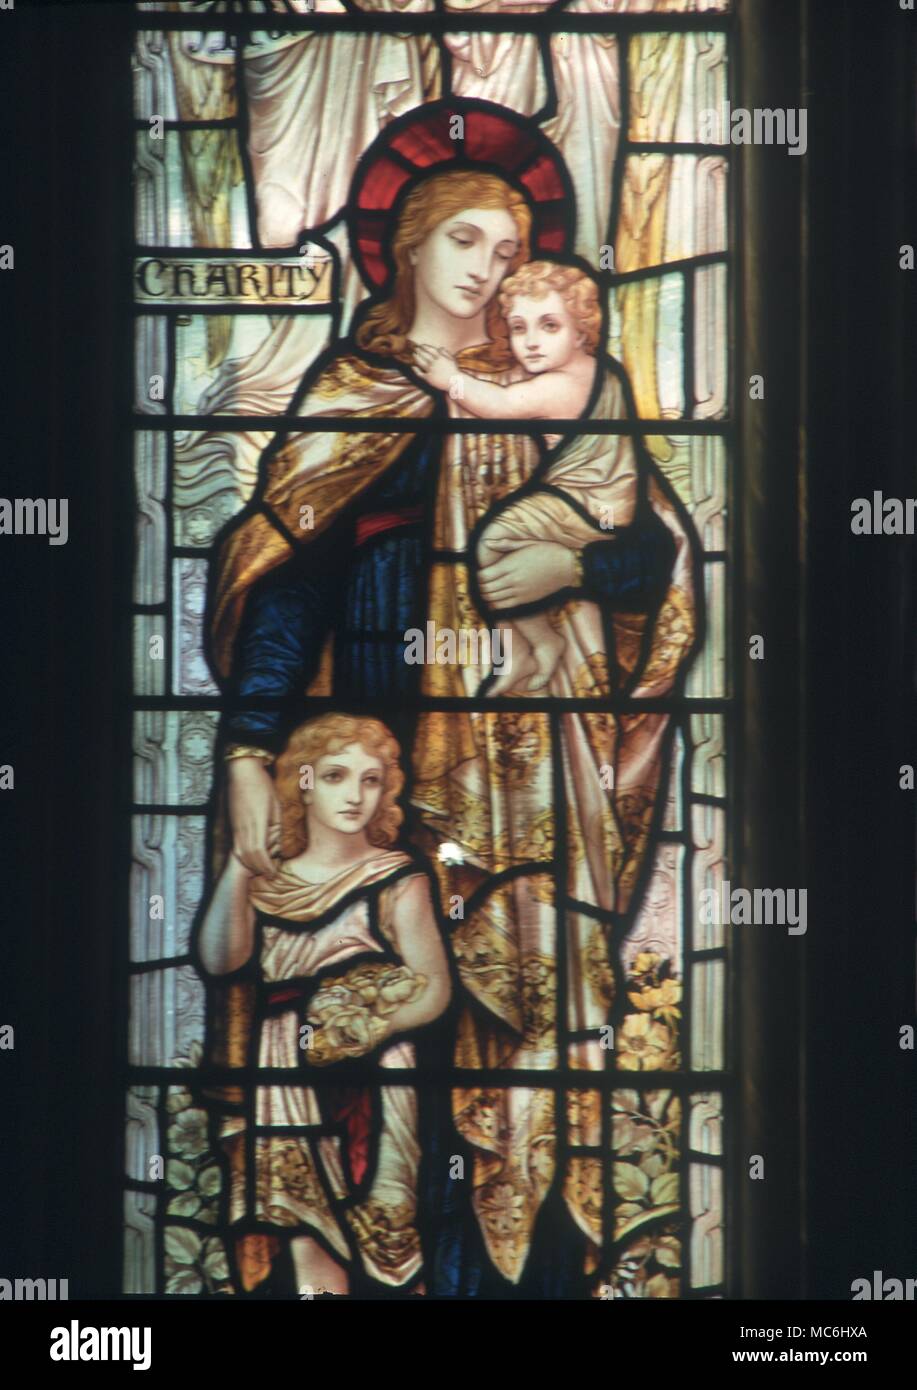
<point>553,233</point>
<point>383,184</point>
<point>420,143</point>
<point>426,143</point>
<point>543,181</point>
<point>491,140</point>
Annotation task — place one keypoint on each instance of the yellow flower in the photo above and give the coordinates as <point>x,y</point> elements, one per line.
<point>188,1134</point>
<point>351,1032</point>
<point>328,1000</point>
<point>645,1045</point>
<point>663,997</point>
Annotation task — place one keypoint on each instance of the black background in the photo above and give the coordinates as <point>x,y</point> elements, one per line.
<point>64,205</point>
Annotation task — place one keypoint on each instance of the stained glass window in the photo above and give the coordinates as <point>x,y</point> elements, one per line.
<point>432,706</point>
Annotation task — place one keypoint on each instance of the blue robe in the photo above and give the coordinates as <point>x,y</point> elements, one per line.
<point>370,595</point>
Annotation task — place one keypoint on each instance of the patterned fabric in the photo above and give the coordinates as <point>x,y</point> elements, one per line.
<point>485,781</point>
<point>357,1192</point>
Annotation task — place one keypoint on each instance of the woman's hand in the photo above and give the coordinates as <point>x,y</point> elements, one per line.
<point>253,810</point>
<point>436,366</point>
<point>527,574</point>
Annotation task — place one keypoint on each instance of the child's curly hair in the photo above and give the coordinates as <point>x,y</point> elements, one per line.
<point>329,734</point>
<point>578,290</point>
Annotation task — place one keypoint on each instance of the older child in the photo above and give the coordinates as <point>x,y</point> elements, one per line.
<point>344,941</point>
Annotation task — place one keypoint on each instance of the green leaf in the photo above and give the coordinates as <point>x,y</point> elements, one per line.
<point>186,1281</point>
<point>664,1189</point>
<point>668,1252</point>
<point>179,1176</point>
<point>209,1181</point>
<point>215,1263</point>
<point>185,1204</point>
<point>630,1183</point>
<point>183,1245</point>
<point>633,1223</point>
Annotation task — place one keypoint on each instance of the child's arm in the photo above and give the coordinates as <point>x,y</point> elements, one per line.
<point>420,946</point>
<point>546,396</point>
<point>227,933</point>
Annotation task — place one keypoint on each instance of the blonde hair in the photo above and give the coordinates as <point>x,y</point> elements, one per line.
<point>329,734</point>
<point>577,289</point>
<point>385,327</point>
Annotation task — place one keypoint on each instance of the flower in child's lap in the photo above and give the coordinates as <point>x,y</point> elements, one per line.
<point>350,1032</point>
<point>348,1015</point>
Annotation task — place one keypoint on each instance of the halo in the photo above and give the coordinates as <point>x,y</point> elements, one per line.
<point>493,140</point>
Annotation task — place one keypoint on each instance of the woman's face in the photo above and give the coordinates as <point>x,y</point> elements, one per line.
<point>347,790</point>
<point>462,261</point>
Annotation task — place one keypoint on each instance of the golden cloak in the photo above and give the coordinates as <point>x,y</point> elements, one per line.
<point>484,781</point>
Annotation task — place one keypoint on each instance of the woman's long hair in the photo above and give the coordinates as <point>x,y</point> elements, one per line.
<point>329,733</point>
<point>385,328</point>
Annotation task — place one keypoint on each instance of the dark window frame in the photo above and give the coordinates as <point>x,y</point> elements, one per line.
<point>69,823</point>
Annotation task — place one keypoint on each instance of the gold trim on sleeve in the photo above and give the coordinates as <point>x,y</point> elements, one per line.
<point>241,750</point>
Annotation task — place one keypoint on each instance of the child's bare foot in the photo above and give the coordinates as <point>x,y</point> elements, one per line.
<point>547,652</point>
<point>519,667</point>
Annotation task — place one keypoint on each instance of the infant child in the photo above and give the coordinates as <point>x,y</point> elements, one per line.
<point>553,320</point>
